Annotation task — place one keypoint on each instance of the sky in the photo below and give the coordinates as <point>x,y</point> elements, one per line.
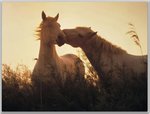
<point>109,19</point>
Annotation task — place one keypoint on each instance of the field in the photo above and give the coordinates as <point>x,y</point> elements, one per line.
<point>129,93</point>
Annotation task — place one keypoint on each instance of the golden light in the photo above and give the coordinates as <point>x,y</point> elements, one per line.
<point>110,19</point>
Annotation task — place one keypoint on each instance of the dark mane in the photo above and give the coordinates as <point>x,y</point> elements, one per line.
<point>101,43</point>
<point>105,45</point>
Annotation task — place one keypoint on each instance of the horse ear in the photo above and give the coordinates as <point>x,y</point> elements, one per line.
<point>93,34</point>
<point>43,15</point>
<point>56,17</point>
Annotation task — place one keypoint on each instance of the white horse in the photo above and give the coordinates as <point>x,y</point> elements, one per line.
<point>105,57</point>
<point>50,68</point>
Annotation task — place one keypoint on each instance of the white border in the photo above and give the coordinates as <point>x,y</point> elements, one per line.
<point>75,1</point>
<point>0,55</point>
<point>148,41</point>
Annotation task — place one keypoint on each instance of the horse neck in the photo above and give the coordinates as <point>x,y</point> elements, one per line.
<point>47,53</point>
<point>97,53</point>
<point>89,49</point>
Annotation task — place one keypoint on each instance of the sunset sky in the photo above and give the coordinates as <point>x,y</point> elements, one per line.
<point>109,19</point>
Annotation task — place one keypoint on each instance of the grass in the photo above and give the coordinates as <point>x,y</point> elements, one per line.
<point>134,36</point>
<point>125,94</point>
<point>18,93</point>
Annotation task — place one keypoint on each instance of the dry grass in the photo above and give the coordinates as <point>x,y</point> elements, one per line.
<point>134,36</point>
<point>125,94</point>
<point>18,94</point>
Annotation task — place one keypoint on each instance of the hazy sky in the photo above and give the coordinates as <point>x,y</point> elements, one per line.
<point>110,19</point>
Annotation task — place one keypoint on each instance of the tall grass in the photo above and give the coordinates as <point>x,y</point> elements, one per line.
<point>18,93</point>
<point>16,88</point>
<point>134,36</point>
<point>129,93</point>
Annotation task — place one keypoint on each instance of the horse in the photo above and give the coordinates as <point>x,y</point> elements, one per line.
<point>49,67</point>
<point>105,57</point>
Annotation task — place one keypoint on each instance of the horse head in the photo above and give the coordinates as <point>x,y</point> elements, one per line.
<point>76,37</point>
<point>50,29</point>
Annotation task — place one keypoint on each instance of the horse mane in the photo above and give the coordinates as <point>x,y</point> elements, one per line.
<point>38,32</point>
<point>106,46</point>
<point>101,43</point>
